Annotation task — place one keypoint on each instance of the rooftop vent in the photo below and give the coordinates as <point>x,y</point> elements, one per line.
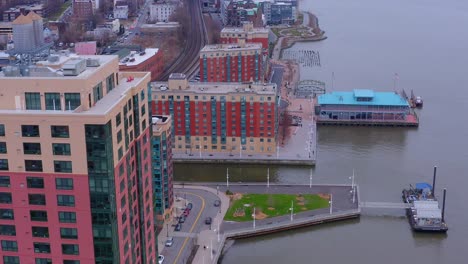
<point>53,58</point>
<point>74,67</point>
<point>92,63</point>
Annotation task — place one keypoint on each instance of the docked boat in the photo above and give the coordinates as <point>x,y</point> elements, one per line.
<point>418,102</point>
<point>424,214</point>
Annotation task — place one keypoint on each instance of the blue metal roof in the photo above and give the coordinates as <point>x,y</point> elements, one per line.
<point>363,93</point>
<point>349,98</point>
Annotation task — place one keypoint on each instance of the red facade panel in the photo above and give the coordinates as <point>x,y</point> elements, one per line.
<point>24,236</point>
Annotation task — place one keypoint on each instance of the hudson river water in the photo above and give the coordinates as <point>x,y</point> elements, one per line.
<point>426,43</point>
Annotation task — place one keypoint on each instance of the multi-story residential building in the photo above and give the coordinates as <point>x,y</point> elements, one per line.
<point>161,12</point>
<point>239,11</point>
<point>83,9</point>
<point>121,11</point>
<point>282,13</point>
<point>162,168</point>
<point>219,117</point>
<point>75,163</point>
<point>247,32</point>
<point>242,62</point>
<point>148,60</point>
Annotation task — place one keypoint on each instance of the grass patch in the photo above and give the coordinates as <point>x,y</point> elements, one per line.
<point>271,205</point>
<point>276,31</point>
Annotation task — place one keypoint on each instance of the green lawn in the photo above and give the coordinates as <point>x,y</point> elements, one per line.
<point>272,205</point>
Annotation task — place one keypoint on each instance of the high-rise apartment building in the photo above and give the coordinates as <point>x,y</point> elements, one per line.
<point>240,62</point>
<point>75,163</point>
<point>219,117</point>
<point>162,168</point>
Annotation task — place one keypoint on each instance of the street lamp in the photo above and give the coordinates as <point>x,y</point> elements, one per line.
<point>217,189</point>
<point>167,229</point>
<point>227,178</point>
<point>292,210</point>
<point>268,178</point>
<point>310,180</point>
<point>331,203</point>
<point>352,187</point>
<point>253,217</point>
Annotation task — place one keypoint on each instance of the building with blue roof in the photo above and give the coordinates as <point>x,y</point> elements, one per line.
<point>363,105</point>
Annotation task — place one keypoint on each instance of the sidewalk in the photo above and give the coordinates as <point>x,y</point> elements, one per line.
<point>208,239</point>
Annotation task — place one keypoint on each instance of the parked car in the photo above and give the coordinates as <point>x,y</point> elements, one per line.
<point>186,212</point>
<point>169,241</point>
<point>208,221</point>
<point>178,227</point>
<point>182,219</point>
<point>217,203</point>
<point>160,259</point>
<point>189,206</point>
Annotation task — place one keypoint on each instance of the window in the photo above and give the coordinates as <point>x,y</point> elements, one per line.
<point>43,261</point>
<point>10,260</point>
<point>142,95</point>
<point>65,200</point>
<point>70,249</point>
<point>118,119</point>
<point>5,198</point>
<point>4,181</point>
<point>119,136</point>
<point>7,214</point>
<point>59,132</point>
<point>7,230</point>
<point>32,148</point>
<point>72,101</point>
<point>38,216</point>
<point>67,217</point>
<point>3,164</point>
<point>110,82</point>
<point>35,182</point>
<point>40,231</point>
<point>8,245</point>
<point>61,149</point>
<point>143,110</point>
<point>64,184</point>
<point>33,165</point>
<point>69,233</point>
<point>97,92</point>
<point>62,166</point>
<point>41,247</point>
<point>37,199</point>
<point>2,130</point>
<point>3,148</point>
<point>66,261</point>
<point>33,101</point>
<point>52,101</point>
<point>30,131</point>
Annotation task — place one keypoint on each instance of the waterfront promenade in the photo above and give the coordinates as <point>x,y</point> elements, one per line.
<point>210,242</point>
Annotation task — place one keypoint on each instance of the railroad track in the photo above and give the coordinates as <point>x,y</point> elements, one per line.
<point>187,61</point>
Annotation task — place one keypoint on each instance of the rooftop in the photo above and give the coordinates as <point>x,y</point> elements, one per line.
<point>53,68</point>
<point>135,58</point>
<point>218,88</point>
<point>241,30</point>
<point>350,98</point>
<point>231,47</point>
<point>26,7</point>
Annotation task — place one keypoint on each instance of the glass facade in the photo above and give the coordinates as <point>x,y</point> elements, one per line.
<point>103,208</point>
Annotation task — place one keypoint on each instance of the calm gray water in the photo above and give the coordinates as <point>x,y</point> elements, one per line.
<point>426,43</point>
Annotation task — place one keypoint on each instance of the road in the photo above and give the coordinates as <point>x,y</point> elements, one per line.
<point>187,61</point>
<point>203,206</point>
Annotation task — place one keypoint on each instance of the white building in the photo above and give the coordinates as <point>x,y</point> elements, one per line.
<point>160,12</point>
<point>121,12</point>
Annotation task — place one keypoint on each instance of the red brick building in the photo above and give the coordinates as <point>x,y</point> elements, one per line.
<point>150,60</point>
<point>82,9</point>
<point>247,32</point>
<point>242,62</point>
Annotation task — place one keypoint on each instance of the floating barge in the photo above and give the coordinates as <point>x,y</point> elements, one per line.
<point>424,215</point>
<point>364,108</point>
